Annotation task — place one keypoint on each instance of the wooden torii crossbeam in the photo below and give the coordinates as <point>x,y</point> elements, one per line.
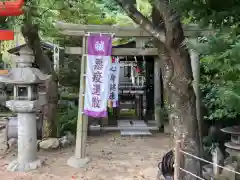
<point>80,30</point>
<point>121,31</point>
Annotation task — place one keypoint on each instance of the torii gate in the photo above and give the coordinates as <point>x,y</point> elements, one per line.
<point>77,30</point>
<point>10,8</point>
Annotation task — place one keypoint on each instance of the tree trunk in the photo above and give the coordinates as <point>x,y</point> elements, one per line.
<point>183,110</point>
<point>50,109</point>
<point>30,33</point>
<point>178,71</point>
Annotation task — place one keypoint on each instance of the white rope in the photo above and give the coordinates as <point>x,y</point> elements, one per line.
<point>191,173</point>
<point>209,162</point>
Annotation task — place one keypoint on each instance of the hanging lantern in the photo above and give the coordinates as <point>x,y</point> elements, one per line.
<point>10,8</point>
<point>12,4</point>
<point>138,70</point>
<point>113,60</point>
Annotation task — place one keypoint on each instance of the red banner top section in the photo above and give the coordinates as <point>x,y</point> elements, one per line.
<point>11,8</point>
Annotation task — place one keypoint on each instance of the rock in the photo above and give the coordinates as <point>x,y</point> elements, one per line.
<point>67,140</point>
<point>70,137</point>
<point>12,142</point>
<point>207,171</point>
<point>64,141</point>
<point>50,143</point>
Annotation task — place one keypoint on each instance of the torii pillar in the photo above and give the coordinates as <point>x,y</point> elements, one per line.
<point>79,159</point>
<point>158,92</point>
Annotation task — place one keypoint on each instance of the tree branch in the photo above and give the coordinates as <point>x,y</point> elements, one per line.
<point>2,20</point>
<point>171,19</point>
<point>157,19</point>
<point>30,32</point>
<point>140,19</point>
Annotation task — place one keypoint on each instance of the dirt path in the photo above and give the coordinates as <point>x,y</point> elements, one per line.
<point>113,158</point>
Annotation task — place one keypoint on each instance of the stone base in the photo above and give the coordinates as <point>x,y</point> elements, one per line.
<point>77,162</point>
<point>15,166</point>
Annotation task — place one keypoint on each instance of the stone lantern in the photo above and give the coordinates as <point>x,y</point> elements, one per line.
<point>25,104</point>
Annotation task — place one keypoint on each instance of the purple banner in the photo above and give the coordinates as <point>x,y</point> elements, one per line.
<point>97,76</point>
<point>114,81</point>
<point>100,45</point>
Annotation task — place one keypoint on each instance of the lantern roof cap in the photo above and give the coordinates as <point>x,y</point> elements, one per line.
<point>27,75</point>
<point>26,50</point>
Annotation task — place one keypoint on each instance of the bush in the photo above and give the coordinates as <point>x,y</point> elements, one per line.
<point>67,120</point>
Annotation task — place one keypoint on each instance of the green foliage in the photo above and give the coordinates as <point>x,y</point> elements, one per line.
<point>70,74</point>
<point>67,119</point>
<point>220,65</point>
<point>163,113</point>
<point>210,12</point>
<point>220,77</point>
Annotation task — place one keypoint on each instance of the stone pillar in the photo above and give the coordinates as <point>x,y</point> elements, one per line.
<point>157,92</point>
<point>27,138</point>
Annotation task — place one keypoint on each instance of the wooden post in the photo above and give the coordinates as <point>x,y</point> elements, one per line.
<point>157,91</point>
<point>177,159</point>
<point>80,159</point>
<point>141,106</point>
<point>56,57</point>
<point>195,63</point>
<point>137,106</point>
<point>140,43</point>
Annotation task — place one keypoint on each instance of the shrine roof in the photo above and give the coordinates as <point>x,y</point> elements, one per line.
<point>45,45</point>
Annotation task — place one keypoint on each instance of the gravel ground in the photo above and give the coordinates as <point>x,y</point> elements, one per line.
<point>113,158</point>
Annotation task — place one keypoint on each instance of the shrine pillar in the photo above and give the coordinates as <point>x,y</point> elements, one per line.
<point>157,92</point>
<point>149,70</point>
<point>140,43</point>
